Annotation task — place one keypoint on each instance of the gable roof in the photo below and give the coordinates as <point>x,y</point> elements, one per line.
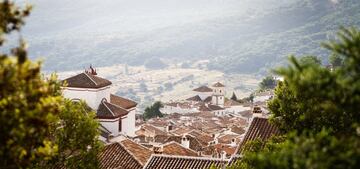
<point>122,102</point>
<point>218,84</point>
<point>140,153</point>
<point>215,107</point>
<point>203,89</point>
<point>230,102</point>
<point>194,98</point>
<point>107,110</point>
<point>260,128</point>
<point>116,156</point>
<point>86,80</point>
<point>165,162</point>
<point>174,148</point>
<point>208,99</point>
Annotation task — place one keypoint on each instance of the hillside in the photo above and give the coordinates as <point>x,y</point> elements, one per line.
<point>236,36</point>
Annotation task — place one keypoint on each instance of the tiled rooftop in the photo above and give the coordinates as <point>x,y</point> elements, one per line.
<point>260,128</point>
<point>180,162</point>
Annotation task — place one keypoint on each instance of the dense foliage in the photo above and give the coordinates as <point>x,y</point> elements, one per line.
<point>153,110</point>
<point>39,128</point>
<point>318,109</point>
<point>233,97</point>
<point>269,82</point>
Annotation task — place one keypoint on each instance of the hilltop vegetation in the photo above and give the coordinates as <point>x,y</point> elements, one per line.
<point>236,36</point>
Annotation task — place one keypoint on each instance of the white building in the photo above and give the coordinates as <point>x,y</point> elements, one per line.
<point>218,96</point>
<point>115,114</point>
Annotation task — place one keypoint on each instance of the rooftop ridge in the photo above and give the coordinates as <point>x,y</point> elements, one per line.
<point>127,150</point>
<point>189,157</point>
<point>102,101</point>
<point>174,142</point>
<point>91,79</point>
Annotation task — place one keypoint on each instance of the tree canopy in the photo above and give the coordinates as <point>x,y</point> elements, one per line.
<point>269,82</point>
<point>233,97</point>
<point>39,128</point>
<point>153,110</point>
<point>318,111</point>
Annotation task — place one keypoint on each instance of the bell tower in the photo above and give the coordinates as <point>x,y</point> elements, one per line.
<point>218,96</point>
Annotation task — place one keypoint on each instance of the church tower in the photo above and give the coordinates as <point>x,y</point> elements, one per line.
<point>218,96</point>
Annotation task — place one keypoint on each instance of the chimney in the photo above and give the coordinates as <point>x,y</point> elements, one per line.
<point>109,137</point>
<point>223,155</point>
<point>185,142</point>
<point>233,142</point>
<point>158,149</point>
<point>257,112</point>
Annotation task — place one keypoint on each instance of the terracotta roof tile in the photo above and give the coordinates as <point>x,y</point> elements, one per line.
<point>140,153</point>
<point>174,148</point>
<point>122,102</point>
<point>218,84</point>
<point>202,137</point>
<point>215,107</point>
<point>107,110</point>
<point>260,128</point>
<point>227,139</point>
<point>194,98</point>
<point>86,80</point>
<point>179,162</point>
<point>116,156</point>
<point>203,89</point>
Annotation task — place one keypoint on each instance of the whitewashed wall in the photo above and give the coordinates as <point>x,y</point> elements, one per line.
<point>171,110</point>
<point>111,124</point>
<point>128,124</point>
<point>92,97</point>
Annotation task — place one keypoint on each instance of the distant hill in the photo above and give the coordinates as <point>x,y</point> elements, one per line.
<point>246,36</point>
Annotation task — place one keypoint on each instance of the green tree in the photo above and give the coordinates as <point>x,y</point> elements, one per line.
<point>268,82</point>
<point>313,97</point>
<point>153,110</point>
<point>318,109</point>
<point>37,124</point>
<point>310,60</point>
<point>76,135</point>
<point>335,60</point>
<point>233,97</point>
<point>305,151</point>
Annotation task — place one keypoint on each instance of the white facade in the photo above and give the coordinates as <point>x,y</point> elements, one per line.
<point>128,123</point>
<point>236,109</point>
<point>218,96</point>
<point>111,124</point>
<point>262,98</point>
<point>92,97</point>
<point>172,109</point>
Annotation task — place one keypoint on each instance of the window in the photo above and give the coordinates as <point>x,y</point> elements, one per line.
<point>220,91</point>
<point>119,125</point>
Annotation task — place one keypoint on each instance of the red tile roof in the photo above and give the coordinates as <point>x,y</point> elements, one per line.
<point>203,89</point>
<point>218,84</point>
<point>122,102</point>
<point>215,107</point>
<point>174,148</point>
<point>194,98</point>
<point>140,153</point>
<point>260,128</point>
<point>179,162</point>
<point>116,156</point>
<point>86,80</point>
<point>107,110</point>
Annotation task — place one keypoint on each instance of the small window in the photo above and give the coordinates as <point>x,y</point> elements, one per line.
<point>220,91</point>
<point>119,125</point>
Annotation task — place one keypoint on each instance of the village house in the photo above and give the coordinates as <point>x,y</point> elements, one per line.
<point>115,113</point>
<point>206,99</point>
